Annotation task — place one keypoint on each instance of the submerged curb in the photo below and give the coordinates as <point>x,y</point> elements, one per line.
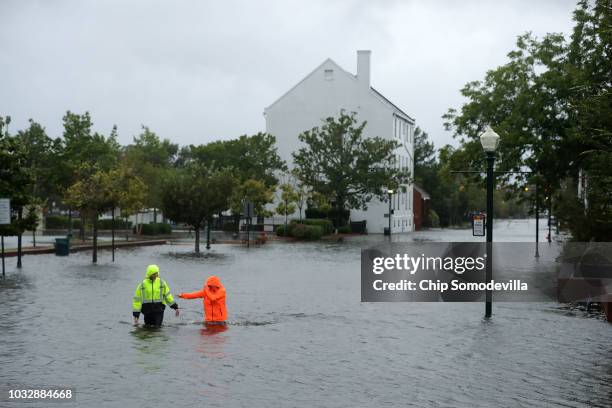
<point>84,247</point>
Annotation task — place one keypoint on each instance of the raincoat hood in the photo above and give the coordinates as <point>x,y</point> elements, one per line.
<point>151,269</point>
<point>213,281</point>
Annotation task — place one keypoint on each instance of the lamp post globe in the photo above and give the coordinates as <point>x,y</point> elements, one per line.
<point>489,140</point>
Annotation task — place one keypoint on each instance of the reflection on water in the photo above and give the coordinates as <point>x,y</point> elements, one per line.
<point>212,340</point>
<point>297,333</point>
<point>151,343</point>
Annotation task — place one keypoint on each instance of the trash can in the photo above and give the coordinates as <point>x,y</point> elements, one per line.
<point>386,231</point>
<point>62,246</point>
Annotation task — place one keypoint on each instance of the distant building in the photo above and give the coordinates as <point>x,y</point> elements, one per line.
<point>325,92</point>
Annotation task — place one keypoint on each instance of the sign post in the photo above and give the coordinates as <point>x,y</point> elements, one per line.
<point>5,219</point>
<point>247,210</point>
<point>478,225</point>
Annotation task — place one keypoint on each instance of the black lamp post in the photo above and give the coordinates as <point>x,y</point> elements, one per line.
<point>489,140</point>
<point>537,215</point>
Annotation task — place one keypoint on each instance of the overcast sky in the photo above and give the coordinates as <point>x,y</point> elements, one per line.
<point>197,71</point>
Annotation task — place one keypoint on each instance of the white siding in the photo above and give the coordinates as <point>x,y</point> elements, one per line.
<point>325,92</point>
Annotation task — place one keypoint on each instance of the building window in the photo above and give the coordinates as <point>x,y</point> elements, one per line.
<point>329,74</point>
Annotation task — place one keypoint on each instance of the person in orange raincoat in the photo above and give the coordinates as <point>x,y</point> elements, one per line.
<point>213,297</point>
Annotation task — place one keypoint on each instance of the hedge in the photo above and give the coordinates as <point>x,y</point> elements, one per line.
<point>346,229</point>
<point>229,226</point>
<point>300,231</point>
<point>61,222</point>
<point>312,212</point>
<point>306,232</point>
<point>280,230</point>
<point>107,224</point>
<point>155,229</point>
<point>333,215</point>
<point>326,225</point>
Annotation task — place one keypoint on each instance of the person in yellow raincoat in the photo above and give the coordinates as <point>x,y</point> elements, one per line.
<point>151,297</point>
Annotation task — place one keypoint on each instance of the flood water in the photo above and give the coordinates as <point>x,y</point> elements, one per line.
<point>298,335</point>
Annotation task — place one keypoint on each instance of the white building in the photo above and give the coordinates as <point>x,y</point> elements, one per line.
<point>325,92</point>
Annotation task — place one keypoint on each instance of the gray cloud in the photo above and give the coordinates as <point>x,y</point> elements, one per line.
<point>195,71</point>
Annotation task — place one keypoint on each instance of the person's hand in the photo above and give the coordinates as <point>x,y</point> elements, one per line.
<point>135,321</point>
<point>177,313</point>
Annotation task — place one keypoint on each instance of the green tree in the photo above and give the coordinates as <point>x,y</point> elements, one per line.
<point>16,181</point>
<point>253,191</point>
<point>82,149</point>
<point>195,193</point>
<point>346,167</point>
<point>552,106</point>
<point>526,102</point>
<point>590,76</point>
<point>302,192</point>
<point>92,194</point>
<point>287,204</point>
<point>150,157</point>
<point>251,157</point>
<point>98,191</point>
<point>41,155</point>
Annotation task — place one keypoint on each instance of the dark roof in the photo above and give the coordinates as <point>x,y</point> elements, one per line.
<point>391,103</point>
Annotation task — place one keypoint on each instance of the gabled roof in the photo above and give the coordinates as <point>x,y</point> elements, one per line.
<point>379,96</point>
<point>308,76</point>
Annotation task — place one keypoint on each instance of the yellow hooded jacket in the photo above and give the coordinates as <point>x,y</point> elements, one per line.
<point>152,293</point>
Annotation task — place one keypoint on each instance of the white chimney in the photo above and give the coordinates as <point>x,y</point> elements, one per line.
<point>363,68</point>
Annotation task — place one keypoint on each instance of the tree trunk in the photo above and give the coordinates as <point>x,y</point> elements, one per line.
<point>34,237</point>
<point>82,229</point>
<point>94,255</point>
<point>237,222</point>
<point>197,238</point>
<point>70,222</point>
<point>286,218</point>
<point>208,225</point>
<point>19,218</point>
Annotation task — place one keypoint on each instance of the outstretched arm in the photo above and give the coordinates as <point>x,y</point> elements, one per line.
<point>192,295</point>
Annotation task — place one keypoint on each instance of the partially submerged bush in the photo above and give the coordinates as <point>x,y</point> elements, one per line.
<point>326,225</point>
<point>300,231</point>
<point>345,229</point>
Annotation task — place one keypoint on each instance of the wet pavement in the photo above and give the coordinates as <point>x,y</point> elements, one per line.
<point>298,335</point>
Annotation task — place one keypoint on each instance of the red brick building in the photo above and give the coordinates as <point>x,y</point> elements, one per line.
<point>421,203</point>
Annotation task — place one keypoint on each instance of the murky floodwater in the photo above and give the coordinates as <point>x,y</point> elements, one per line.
<point>299,336</point>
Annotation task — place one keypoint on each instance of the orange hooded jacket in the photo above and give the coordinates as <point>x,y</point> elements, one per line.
<point>213,300</point>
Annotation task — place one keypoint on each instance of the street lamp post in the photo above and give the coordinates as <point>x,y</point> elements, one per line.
<point>390,192</point>
<point>537,215</point>
<point>489,140</point>
<point>549,218</point>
